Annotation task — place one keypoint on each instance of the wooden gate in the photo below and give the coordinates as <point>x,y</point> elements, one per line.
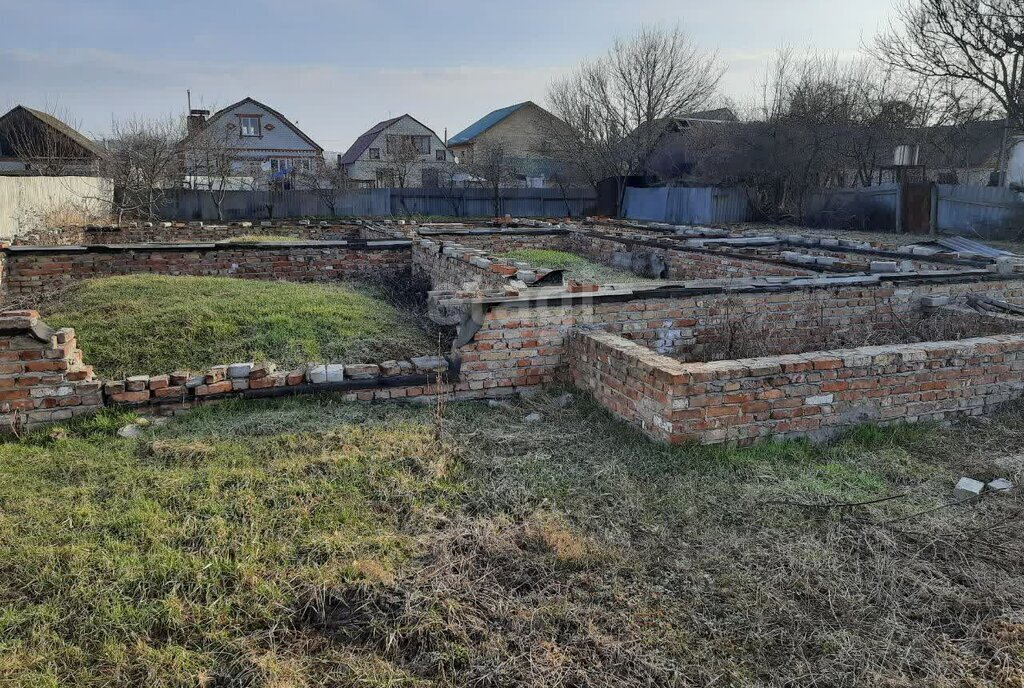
<point>916,207</point>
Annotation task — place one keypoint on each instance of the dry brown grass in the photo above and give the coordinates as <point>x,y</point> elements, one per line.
<point>331,544</point>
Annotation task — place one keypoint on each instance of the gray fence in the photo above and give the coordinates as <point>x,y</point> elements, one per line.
<point>686,205</point>
<point>186,204</point>
<point>987,212</point>
<point>984,212</point>
<point>873,208</point>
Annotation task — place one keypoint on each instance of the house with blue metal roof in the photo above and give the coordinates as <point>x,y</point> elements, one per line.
<point>525,132</point>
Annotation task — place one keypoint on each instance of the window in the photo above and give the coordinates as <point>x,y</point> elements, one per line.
<point>375,154</point>
<point>421,144</point>
<point>302,164</point>
<point>249,125</point>
<point>439,154</point>
<point>385,179</point>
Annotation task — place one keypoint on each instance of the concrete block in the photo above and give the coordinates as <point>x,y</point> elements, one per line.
<point>429,364</point>
<point>935,301</point>
<point>884,266</point>
<point>820,400</point>
<point>239,370</point>
<point>533,418</point>
<point>999,485</point>
<point>968,489</point>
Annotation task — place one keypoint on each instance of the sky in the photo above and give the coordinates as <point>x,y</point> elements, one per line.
<point>336,67</point>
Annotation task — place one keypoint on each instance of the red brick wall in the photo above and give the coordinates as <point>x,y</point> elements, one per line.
<point>813,394</point>
<point>182,232</point>
<point>525,346</point>
<point>42,377</point>
<point>30,273</point>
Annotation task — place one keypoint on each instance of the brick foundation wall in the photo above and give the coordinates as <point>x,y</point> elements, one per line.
<point>813,394</point>
<point>681,264</point>
<point>452,266</point>
<point>181,232</point>
<point>31,272</point>
<point>523,344</point>
<point>42,376</point>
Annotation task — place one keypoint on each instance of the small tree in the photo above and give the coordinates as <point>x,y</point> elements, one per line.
<point>401,157</point>
<point>494,164</point>
<point>144,161</point>
<point>210,163</point>
<point>326,181</point>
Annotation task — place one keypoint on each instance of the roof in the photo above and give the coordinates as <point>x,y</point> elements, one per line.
<point>722,114</point>
<point>970,145</point>
<point>220,113</point>
<point>484,123</point>
<point>65,129</point>
<point>367,137</point>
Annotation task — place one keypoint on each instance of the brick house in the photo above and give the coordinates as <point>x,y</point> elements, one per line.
<point>525,130</point>
<point>398,152</point>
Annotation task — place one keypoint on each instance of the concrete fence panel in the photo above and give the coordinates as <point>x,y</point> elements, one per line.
<point>29,204</point>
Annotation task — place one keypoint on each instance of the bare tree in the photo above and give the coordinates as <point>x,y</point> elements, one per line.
<point>210,163</point>
<point>820,121</point>
<point>144,161</point>
<point>965,43</point>
<point>326,181</point>
<point>451,185</point>
<point>494,166</point>
<point>400,159</point>
<point>614,105</point>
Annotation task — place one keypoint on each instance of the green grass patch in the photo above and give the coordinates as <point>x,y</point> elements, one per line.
<point>575,266</point>
<point>147,324</point>
<point>312,542</point>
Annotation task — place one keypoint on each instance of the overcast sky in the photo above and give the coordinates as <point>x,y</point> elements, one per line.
<point>339,66</point>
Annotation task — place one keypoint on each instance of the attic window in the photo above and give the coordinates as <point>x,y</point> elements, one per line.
<point>440,154</point>
<point>375,154</point>
<point>249,125</point>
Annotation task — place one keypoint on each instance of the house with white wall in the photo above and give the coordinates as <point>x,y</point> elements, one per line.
<point>398,152</point>
<point>254,137</point>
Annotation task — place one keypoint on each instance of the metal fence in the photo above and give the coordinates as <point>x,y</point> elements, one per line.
<point>29,204</point>
<point>983,212</point>
<point>186,204</point>
<point>686,205</point>
<point>873,208</point>
<point>987,212</point>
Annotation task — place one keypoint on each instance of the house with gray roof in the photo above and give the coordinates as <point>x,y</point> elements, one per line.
<point>36,142</point>
<point>257,138</point>
<point>400,152</point>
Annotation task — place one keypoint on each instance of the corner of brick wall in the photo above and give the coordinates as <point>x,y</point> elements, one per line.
<point>42,376</point>
<point>633,382</point>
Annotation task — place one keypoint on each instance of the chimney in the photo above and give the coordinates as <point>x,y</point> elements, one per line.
<point>196,120</point>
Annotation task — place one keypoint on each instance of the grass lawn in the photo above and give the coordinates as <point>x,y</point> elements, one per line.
<point>576,267</point>
<point>310,542</point>
<point>147,324</point>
